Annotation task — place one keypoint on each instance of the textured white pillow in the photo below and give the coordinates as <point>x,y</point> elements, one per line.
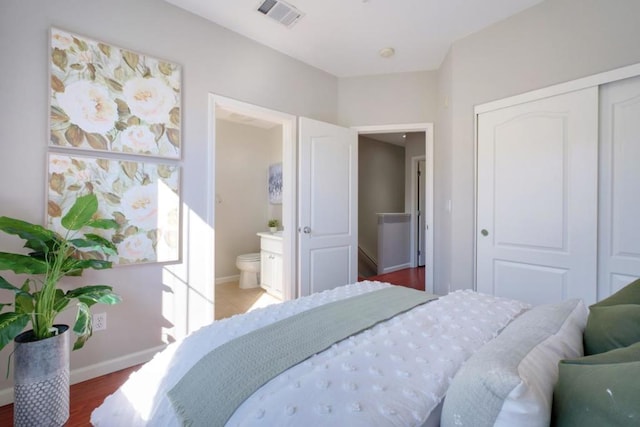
<point>509,381</point>
<point>529,403</point>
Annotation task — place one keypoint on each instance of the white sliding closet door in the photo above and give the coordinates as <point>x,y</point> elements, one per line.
<point>537,199</point>
<point>619,258</point>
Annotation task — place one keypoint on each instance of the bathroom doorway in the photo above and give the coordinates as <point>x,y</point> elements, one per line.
<point>250,143</point>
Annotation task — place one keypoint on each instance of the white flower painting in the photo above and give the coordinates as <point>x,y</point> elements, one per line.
<point>111,99</point>
<point>143,197</point>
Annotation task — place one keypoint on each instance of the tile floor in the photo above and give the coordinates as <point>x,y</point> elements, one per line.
<point>230,299</point>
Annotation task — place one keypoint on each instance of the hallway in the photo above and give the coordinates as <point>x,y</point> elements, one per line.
<point>409,277</point>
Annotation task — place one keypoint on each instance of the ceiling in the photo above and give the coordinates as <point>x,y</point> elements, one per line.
<point>343,37</point>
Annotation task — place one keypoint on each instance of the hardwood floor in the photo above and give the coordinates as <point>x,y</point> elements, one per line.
<point>84,398</point>
<point>409,277</point>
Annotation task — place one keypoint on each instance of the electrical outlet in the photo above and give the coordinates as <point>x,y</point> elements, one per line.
<point>99,321</point>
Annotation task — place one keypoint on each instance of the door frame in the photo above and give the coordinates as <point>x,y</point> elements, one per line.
<point>415,164</point>
<point>289,187</point>
<point>427,128</point>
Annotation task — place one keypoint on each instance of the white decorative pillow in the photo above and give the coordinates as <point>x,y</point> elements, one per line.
<point>509,381</point>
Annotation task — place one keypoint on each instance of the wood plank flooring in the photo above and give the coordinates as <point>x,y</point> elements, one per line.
<point>84,397</point>
<point>409,277</point>
<point>88,395</point>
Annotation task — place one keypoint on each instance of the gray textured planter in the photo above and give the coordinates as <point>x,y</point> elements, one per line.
<point>41,376</point>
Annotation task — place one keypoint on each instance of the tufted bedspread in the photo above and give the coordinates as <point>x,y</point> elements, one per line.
<point>394,374</point>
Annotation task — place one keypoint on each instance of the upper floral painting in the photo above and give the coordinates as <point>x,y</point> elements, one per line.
<point>110,99</point>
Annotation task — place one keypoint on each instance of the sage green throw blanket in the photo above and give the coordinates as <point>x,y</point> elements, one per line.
<point>217,384</point>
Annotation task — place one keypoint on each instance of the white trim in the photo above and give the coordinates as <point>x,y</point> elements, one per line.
<point>289,206</point>
<point>570,86</point>
<point>227,279</point>
<point>414,208</point>
<point>427,128</point>
<point>97,370</point>
<point>408,127</point>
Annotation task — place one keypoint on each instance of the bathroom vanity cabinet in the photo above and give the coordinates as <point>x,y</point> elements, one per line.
<point>271,266</point>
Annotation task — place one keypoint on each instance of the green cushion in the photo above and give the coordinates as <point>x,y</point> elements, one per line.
<point>630,294</point>
<point>611,327</point>
<point>600,390</point>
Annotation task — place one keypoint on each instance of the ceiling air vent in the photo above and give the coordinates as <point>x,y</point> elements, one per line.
<point>280,11</point>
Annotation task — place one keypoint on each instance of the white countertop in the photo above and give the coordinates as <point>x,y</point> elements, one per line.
<point>268,235</point>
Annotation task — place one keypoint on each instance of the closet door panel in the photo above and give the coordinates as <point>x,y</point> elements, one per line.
<point>537,199</point>
<point>619,209</point>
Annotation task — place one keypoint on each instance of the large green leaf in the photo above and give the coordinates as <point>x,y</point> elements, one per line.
<point>6,285</point>
<point>81,212</point>
<point>11,324</point>
<point>61,301</point>
<point>22,264</point>
<point>42,247</point>
<point>97,264</point>
<point>24,303</point>
<point>93,294</point>
<point>94,242</point>
<point>103,224</point>
<point>37,237</point>
<point>82,326</point>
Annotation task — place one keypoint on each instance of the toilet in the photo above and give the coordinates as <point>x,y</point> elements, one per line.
<point>249,266</point>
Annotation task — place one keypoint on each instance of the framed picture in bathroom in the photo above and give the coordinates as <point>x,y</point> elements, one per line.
<point>275,184</point>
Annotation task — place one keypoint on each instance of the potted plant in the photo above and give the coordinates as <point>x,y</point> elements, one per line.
<point>41,363</point>
<point>273,225</point>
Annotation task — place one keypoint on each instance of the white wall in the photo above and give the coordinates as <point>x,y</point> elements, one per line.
<point>387,99</point>
<point>381,188</point>
<point>243,156</point>
<point>553,42</point>
<point>161,302</point>
<point>442,130</point>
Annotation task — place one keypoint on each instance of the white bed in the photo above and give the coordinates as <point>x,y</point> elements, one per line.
<point>394,374</point>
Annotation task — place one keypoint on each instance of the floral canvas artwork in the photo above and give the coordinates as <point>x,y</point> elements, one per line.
<point>111,99</point>
<point>143,197</point>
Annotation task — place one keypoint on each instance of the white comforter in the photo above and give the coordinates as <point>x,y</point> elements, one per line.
<point>393,374</point>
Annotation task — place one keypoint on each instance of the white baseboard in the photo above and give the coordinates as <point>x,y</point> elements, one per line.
<point>393,268</point>
<point>220,280</point>
<point>99,369</point>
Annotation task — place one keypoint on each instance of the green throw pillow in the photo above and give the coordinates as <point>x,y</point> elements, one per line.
<point>611,327</point>
<point>630,294</point>
<point>600,390</point>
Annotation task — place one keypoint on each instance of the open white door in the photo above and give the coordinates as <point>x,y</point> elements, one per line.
<point>537,199</point>
<point>328,203</point>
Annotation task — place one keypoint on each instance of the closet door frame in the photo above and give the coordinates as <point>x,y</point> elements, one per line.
<point>574,85</point>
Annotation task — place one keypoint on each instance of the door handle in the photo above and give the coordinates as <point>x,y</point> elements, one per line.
<point>484,232</point>
<point>306,230</point>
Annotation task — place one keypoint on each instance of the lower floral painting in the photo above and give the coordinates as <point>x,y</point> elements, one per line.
<point>142,196</point>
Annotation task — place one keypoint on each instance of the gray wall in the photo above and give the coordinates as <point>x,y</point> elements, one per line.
<point>415,146</point>
<point>443,172</point>
<point>381,177</point>
<point>556,41</point>
<point>161,302</point>
<point>387,99</point>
